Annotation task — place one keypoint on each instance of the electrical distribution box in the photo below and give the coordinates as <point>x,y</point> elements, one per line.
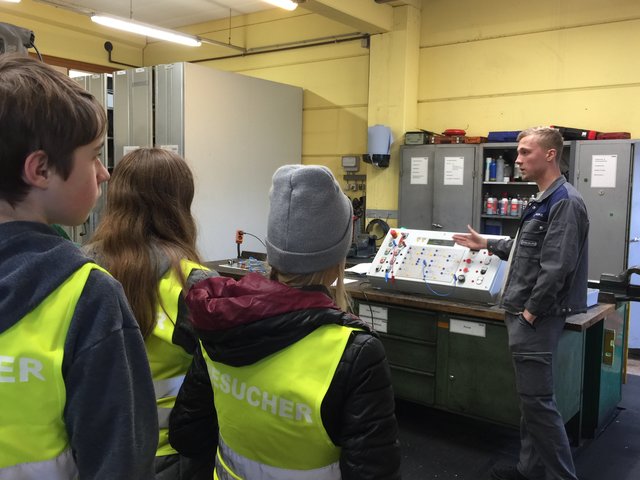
<point>431,263</point>
<point>350,163</point>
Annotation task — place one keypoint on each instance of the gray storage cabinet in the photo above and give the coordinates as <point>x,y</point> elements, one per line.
<point>100,86</point>
<point>437,187</point>
<point>233,130</point>
<point>602,173</point>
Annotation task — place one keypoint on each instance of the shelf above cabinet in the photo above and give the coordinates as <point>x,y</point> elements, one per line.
<point>501,217</point>
<point>509,183</point>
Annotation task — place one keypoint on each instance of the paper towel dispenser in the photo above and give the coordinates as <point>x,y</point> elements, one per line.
<point>379,142</point>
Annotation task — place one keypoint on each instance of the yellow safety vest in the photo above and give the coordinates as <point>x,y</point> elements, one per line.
<point>269,412</point>
<point>33,437</point>
<point>169,363</point>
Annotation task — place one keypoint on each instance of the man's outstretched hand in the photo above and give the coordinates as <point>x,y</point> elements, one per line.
<point>472,240</point>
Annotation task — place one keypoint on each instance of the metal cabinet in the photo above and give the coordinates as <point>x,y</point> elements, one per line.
<point>409,338</point>
<point>222,123</point>
<point>133,110</point>
<point>437,187</point>
<point>434,364</point>
<point>100,85</point>
<point>475,375</point>
<point>602,173</point>
<point>604,371</point>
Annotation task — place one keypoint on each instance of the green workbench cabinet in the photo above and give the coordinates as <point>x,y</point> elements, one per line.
<point>475,375</point>
<point>409,338</point>
<point>469,374</point>
<point>604,371</point>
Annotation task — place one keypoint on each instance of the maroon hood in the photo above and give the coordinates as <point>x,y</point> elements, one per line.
<point>221,303</point>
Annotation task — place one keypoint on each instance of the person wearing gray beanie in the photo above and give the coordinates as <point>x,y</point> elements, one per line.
<point>288,384</point>
<point>310,221</point>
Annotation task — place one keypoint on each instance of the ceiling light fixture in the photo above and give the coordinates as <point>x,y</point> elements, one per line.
<point>286,4</point>
<point>11,1</point>
<point>140,28</point>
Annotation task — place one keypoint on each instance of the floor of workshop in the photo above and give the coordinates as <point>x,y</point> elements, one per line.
<point>443,446</point>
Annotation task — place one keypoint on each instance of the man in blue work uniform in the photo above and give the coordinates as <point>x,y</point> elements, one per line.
<point>547,281</point>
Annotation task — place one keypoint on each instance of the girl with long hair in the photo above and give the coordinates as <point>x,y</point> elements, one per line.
<point>147,241</point>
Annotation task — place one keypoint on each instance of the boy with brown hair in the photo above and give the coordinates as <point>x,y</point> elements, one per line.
<point>76,396</point>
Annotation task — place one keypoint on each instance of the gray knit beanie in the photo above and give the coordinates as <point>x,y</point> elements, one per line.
<point>310,220</point>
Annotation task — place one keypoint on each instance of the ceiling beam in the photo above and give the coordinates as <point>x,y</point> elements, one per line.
<point>365,16</point>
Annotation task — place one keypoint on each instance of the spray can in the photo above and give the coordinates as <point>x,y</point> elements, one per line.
<point>491,206</point>
<point>516,207</point>
<point>504,205</point>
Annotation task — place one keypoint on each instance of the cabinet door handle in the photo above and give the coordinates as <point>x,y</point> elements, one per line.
<point>436,225</point>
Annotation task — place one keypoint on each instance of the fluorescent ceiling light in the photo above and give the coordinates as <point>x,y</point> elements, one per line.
<point>286,4</point>
<point>146,29</point>
<point>11,1</point>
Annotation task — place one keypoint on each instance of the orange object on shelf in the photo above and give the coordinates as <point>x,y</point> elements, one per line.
<point>475,139</point>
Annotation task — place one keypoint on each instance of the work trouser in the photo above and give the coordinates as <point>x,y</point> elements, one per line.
<point>545,453</point>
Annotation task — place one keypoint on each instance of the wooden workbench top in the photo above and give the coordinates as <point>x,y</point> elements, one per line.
<point>361,289</point>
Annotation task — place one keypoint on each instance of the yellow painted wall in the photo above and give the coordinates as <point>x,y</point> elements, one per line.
<point>510,65</point>
<point>491,65</point>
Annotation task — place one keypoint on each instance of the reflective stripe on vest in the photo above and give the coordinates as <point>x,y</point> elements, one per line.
<point>269,412</point>
<point>166,389</point>
<point>228,462</point>
<point>33,436</point>
<point>63,467</point>
<point>169,362</point>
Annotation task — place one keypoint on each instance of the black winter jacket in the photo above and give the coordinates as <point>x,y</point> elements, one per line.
<point>241,322</point>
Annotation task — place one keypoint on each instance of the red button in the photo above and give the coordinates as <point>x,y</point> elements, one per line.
<point>394,234</point>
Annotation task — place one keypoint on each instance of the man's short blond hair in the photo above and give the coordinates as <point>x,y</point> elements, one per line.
<point>547,137</point>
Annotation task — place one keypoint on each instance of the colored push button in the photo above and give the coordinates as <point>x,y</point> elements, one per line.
<point>393,234</point>
<point>468,260</point>
<point>461,278</point>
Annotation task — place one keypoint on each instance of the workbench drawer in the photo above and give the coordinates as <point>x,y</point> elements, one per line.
<point>403,322</point>
<point>414,354</point>
<point>414,386</point>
